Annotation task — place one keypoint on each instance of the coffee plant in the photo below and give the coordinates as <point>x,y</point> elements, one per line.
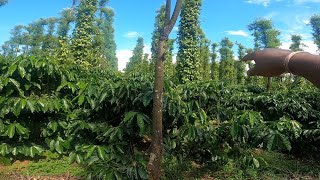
<point>102,119</point>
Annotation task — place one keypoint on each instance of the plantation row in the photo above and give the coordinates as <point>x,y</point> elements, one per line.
<point>101,119</point>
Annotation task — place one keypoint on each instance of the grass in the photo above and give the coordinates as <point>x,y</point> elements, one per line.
<point>51,165</point>
<point>278,167</point>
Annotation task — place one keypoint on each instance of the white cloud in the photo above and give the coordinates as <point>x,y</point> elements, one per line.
<point>271,15</point>
<point>306,1</point>
<point>268,2</point>
<point>174,58</point>
<point>131,34</point>
<point>123,58</point>
<point>259,2</point>
<point>175,29</point>
<point>311,47</point>
<point>124,55</point>
<point>147,49</point>
<point>306,21</point>
<point>238,33</point>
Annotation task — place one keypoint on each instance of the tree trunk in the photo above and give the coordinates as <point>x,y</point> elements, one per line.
<point>268,84</point>
<point>154,165</point>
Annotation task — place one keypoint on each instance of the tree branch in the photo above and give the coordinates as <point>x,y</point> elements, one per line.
<point>168,12</point>
<point>174,17</point>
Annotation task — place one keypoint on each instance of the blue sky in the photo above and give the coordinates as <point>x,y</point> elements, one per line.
<point>218,18</point>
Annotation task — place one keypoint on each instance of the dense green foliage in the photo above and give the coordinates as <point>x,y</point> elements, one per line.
<point>214,73</point>
<point>106,41</point>
<point>82,42</point>
<point>62,95</point>
<point>189,62</point>
<point>98,118</point>
<point>226,67</point>
<point>137,60</point>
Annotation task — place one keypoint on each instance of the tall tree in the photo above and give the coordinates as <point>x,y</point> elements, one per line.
<point>296,44</point>
<point>226,67</point>
<point>214,64</point>
<point>265,34</point>
<point>19,41</point>
<point>265,37</point>
<point>154,164</point>
<point>168,64</point>
<point>8,49</point>
<point>136,59</point>
<point>204,48</point>
<point>158,24</point>
<point>315,24</point>
<point>82,35</point>
<point>239,65</point>
<point>63,28</point>
<point>188,66</point>
<point>36,31</point>
<point>50,41</point>
<point>17,37</point>
<point>108,45</point>
<point>64,23</point>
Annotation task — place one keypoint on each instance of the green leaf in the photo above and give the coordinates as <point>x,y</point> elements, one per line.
<point>63,124</point>
<point>58,147</point>
<point>3,149</point>
<point>22,71</point>
<point>129,116</point>
<point>79,159</point>
<point>90,151</point>
<point>140,123</point>
<point>203,116</point>
<point>92,103</point>
<point>20,129</point>
<point>192,132</point>
<point>256,163</point>
<point>103,97</point>
<point>37,85</point>
<point>81,99</point>
<point>66,144</point>
<point>17,85</point>
<point>146,100</point>
<point>285,142</point>
<point>72,157</point>
<point>33,151</point>
<point>270,142</point>
<point>142,173</point>
<point>53,126</point>
<point>23,103</point>
<point>62,86</point>
<point>11,131</point>
<point>101,152</point>
<point>27,86</point>
<point>65,103</point>
<point>14,151</point>
<point>30,105</point>
<point>117,175</point>
<point>109,175</point>
<point>119,148</point>
<point>52,145</point>
<point>38,148</point>
<point>12,68</point>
